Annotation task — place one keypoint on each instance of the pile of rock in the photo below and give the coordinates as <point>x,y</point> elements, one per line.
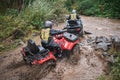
<point>107,45</point>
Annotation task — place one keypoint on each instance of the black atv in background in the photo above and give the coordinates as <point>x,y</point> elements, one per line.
<point>74,27</point>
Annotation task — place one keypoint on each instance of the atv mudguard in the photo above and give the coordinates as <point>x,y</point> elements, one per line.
<point>69,45</point>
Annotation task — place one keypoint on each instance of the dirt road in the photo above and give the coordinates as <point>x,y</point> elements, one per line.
<point>89,66</point>
<point>101,26</point>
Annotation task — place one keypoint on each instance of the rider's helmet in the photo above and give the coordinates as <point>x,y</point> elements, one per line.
<point>73,11</point>
<point>48,24</point>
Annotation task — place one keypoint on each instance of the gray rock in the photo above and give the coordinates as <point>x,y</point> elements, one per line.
<point>102,45</point>
<point>116,43</point>
<point>86,32</point>
<point>111,59</point>
<point>91,39</point>
<point>115,39</point>
<point>105,54</point>
<point>102,39</point>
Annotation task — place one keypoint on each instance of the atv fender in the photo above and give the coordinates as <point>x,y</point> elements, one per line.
<point>70,45</point>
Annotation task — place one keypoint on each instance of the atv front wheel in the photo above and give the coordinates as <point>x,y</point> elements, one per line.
<point>75,55</point>
<point>51,63</point>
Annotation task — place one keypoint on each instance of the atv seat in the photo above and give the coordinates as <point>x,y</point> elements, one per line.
<point>70,37</point>
<point>42,49</point>
<point>74,23</point>
<point>32,46</point>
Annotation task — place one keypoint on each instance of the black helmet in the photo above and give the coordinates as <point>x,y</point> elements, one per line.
<point>48,24</point>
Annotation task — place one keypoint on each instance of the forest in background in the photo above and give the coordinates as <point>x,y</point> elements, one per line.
<point>20,18</point>
<point>101,8</point>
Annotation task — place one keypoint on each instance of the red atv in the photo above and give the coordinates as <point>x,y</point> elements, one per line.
<point>35,54</point>
<point>68,42</point>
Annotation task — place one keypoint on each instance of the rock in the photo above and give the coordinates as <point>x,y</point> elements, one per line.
<point>86,32</point>
<point>111,59</point>
<point>91,39</point>
<point>115,38</point>
<point>102,45</point>
<point>98,28</point>
<point>91,36</point>
<point>116,43</point>
<point>105,54</point>
<point>102,39</point>
<point>81,44</point>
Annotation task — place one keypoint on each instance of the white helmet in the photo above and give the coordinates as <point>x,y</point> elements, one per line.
<point>48,24</point>
<point>73,11</point>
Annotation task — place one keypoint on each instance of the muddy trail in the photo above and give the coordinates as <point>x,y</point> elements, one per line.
<point>89,67</point>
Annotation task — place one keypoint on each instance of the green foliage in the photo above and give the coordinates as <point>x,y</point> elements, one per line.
<point>102,77</point>
<point>9,45</point>
<point>16,25</point>
<point>38,23</point>
<point>59,7</point>
<point>115,73</point>
<point>11,12</point>
<point>71,4</point>
<point>39,11</point>
<point>5,28</point>
<point>85,4</point>
<point>105,8</point>
<point>86,8</point>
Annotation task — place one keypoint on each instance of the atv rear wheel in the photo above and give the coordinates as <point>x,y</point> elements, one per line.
<point>75,55</point>
<point>51,63</point>
<point>27,60</point>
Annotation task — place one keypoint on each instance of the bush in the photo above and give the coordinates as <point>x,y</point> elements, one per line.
<point>11,12</point>
<point>103,8</point>
<point>31,18</point>
<point>115,73</point>
<point>39,11</point>
<point>87,7</point>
